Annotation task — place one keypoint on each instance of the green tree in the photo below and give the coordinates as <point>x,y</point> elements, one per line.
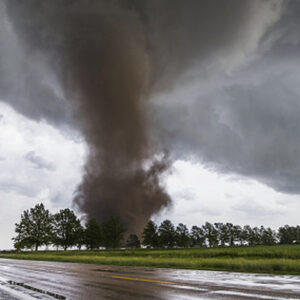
<point>92,235</point>
<point>66,227</point>
<point>183,238</point>
<point>223,237</point>
<point>197,236</point>
<point>237,234</point>
<point>245,235</point>
<point>133,241</point>
<point>150,235</point>
<point>34,229</point>
<point>255,236</point>
<point>80,237</point>
<point>231,233</point>
<point>113,232</point>
<point>211,234</point>
<point>268,236</point>
<point>297,231</point>
<point>167,234</point>
<point>288,234</point>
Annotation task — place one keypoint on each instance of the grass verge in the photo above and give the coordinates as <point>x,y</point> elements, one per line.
<point>264,259</point>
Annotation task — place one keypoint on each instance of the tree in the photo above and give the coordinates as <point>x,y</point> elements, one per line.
<point>133,241</point>
<point>80,237</point>
<point>113,232</point>
<point>297,234</point>
<point>211,234</point>
<point>197,236</point>
<point>35,228</point>
<point>249,235</point>
<point>66,228</point>
<point>255,237</point>
<point>237,234</point>
<point>245,235</point>
<point>167,234</point>
<point>268,236</point>
<point>183,238</point>
<point>92,235</point>
<point>150,235</point>
<point>231,235</point>
<point>223,235</point>
<point>287,234</point>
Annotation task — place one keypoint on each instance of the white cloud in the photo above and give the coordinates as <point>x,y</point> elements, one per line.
<point>202,195</point>
<point>24,143</point>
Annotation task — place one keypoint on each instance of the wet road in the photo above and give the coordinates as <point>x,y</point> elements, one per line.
<point>80,281</point>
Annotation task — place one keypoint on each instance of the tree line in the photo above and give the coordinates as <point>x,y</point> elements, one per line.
<point>38,227</point>
<point>216,235</point>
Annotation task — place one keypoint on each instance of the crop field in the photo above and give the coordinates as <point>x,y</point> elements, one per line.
<point>259,259</point>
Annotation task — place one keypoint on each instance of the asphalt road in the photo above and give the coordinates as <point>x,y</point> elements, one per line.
<point>49,280</point>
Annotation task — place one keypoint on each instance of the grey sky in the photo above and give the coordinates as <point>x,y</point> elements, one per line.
<point>39,162</point>
<point>224,97</point>
<point>245,120</point>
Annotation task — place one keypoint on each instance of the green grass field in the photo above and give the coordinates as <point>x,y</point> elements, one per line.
<point>261,259</point>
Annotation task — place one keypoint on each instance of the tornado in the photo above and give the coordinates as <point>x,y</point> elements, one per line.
<point>107,75</point>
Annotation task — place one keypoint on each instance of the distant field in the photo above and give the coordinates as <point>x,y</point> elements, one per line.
<point>260,259</point>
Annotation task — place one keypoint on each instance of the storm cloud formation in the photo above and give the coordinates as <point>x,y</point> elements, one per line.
<point>198,78</point>
<point>244,119</point>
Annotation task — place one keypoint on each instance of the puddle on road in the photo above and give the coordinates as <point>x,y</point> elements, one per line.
<point>28,287</point>
<point>247,295</point>
<point>12,290</point>
<point>103,270</point>
<point>119,271</point>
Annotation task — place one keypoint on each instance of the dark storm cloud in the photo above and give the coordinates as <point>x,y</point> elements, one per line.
<point>178,35</point>
<point>27,81</point>
<point>206,80</point>
<point>247,121</point>
<point>38,162</point>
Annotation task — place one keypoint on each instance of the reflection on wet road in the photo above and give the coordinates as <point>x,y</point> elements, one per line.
<point>50,280</point>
